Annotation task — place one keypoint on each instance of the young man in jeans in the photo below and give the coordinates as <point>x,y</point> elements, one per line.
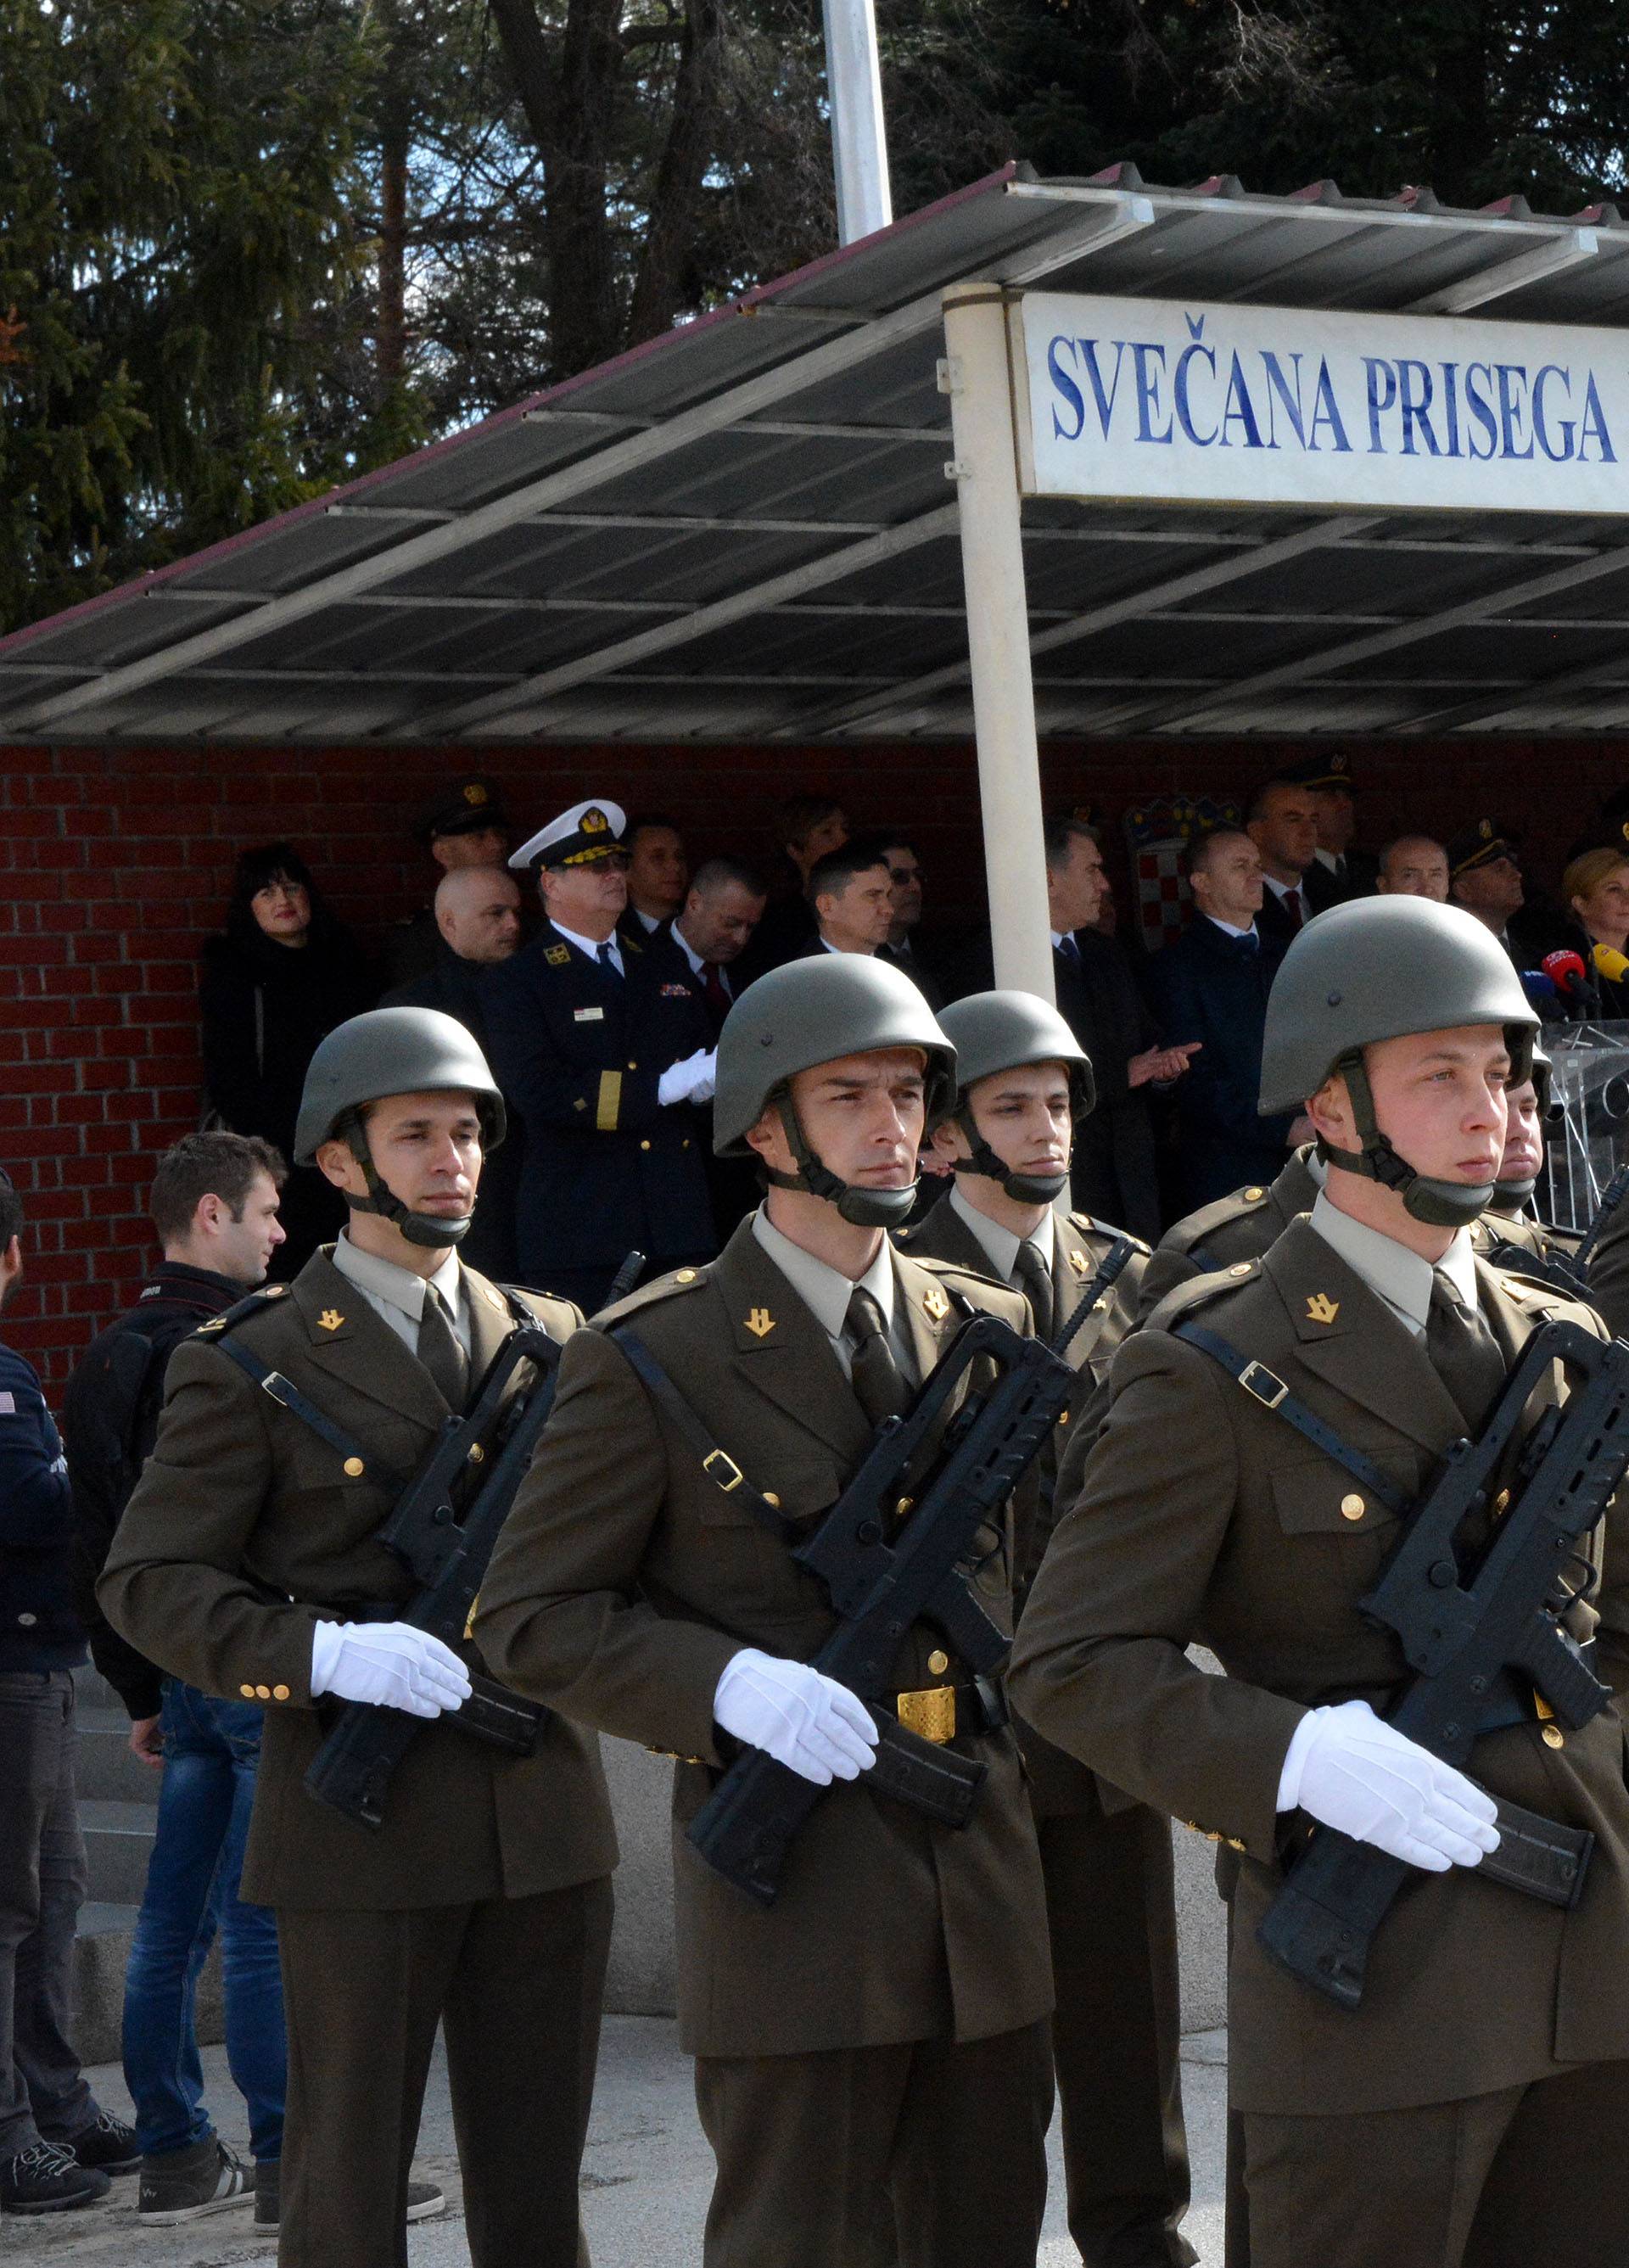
<point>57,2148</point>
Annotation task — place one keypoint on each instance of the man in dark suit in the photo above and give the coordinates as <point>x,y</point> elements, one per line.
<point>1282,822</point>
<point>1339,870</point>
<point>477,913</point>
<point>903,946</point>
<point>600,1043</point>
<point>1211,985</point>
<point>1114,1174</point>
<point>714,927</point>
<point>659,873</point>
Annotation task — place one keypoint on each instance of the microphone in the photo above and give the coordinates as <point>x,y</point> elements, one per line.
<point>1567,972</point>
<point>1613,966</point>
<point>1540,989</point>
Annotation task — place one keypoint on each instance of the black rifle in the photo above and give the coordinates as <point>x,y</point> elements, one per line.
<point>1568,1271</point>
<point>879,1587</point>
<point>1477,1643</point>
<point>443,1530</point>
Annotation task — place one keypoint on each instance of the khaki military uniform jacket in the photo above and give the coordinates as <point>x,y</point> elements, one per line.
<point>246,1529</point>
<point>1241,1226</point>
<point>627,1578</point>
<point>1203,1519</point>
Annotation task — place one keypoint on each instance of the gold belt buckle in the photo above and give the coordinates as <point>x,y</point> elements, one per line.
<point>931,1713</point>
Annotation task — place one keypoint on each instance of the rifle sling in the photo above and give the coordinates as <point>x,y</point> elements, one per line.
<point>288,1397</point>
<point>720,1466</point>
<point>1266,1388</point>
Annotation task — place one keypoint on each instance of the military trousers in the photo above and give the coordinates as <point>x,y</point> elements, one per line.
<point>832,2160</point>
<point>516,1984</point>
<point>1529,2178</point>
<point>1111,1906</point>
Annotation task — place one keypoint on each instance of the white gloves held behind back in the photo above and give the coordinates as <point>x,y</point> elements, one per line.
<point>803,1718</point>
<point>390,1664</point>
<point>1347,1767</point>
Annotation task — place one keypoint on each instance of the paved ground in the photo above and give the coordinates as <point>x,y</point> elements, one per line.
<point>645,2178</point>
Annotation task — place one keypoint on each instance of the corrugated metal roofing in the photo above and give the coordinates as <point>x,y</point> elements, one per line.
<point>744,530</point>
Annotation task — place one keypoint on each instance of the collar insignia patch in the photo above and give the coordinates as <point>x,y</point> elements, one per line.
<point>558,955</point>
<point>1321,1308</point>
<point>330,1319</point>
<point>760,1322</point>
<point>937,1305</point>
<point>1077,1261</point>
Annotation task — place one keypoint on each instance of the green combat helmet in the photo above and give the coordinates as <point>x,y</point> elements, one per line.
<point>1382,968</point>
<point>1002,1031</point>
<point>814,1012</point>
<point>393,1051</point>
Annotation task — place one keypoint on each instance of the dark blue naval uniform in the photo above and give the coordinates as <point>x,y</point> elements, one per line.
<point>578,1051</point>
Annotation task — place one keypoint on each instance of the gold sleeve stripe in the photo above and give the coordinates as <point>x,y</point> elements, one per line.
<point>611,1101</point>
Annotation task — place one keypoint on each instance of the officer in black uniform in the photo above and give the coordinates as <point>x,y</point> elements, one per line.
<point>462,824</point>
<point>600,1043</point>
<point>1339,870</point>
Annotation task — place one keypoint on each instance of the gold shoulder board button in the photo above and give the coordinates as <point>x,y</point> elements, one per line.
<point>685,1276</point>
<point>1351,1507</point>
<point>1254,1196</point>
<point>1240,1268</point>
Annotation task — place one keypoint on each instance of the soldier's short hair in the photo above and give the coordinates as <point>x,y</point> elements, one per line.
<point>717,873</point>
<point>213,1165</point>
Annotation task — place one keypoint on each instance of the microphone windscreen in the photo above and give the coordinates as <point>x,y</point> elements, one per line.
<point>1613,966</point>
<point>1537,986</point>
<point>1566,970</point>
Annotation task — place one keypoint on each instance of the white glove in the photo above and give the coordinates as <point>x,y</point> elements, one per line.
<point>1348,1768</point>
<point>390,1664</point>
<point>690,1081</point>
<point>805,1720</point>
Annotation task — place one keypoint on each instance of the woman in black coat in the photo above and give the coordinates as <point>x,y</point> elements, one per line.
<point>279,980</point>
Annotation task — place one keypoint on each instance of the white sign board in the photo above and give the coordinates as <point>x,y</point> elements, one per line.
<point>1190,400</point>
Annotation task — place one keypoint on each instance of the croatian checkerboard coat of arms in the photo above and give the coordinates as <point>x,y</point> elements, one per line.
<point>1156,834</point>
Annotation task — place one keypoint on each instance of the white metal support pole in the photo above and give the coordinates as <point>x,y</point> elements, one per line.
<point>979,380</point>
<point>858,136</point>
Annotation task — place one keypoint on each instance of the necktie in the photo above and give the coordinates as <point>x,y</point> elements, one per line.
<point>1068,950</point>
<point>1294,912</point>
<point>606,958</point>
<point>871,1367</point>
<point>1464,1352</point>
<point>440,1351</point>
<point>712,985</point>
<point>1034,1279</point>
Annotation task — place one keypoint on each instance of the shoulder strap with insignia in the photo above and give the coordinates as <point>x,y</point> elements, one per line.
<point>251,1304</point>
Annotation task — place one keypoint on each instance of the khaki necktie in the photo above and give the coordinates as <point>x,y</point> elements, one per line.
<point>876,1376</point>
<point>1464,1352</point>
<point>440,1351</point>
<point>1034,1279</point>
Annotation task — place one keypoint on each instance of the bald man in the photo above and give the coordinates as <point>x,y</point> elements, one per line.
<point>1413,866</point>
<point>477,912</point>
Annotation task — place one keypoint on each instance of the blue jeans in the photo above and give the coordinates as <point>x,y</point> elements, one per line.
<point>211,1754</point>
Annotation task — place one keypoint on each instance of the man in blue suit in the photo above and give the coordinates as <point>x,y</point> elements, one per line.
<point>1210,985</point>
<point>598,1041</point>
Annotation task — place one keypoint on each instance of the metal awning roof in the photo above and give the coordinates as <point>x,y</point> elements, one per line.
<point>744,530</point>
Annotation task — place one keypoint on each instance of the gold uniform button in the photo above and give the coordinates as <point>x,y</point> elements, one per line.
<point>1254,1196</point>
<point>770,1497</point>
<point>633,1066</point>
<point>937,1662</point>
<point>1240,1268</point>
<point>1553,1736</point>
<point>279,1692</point>
<point>354,1468</point>
<point>247,1692</point>
<point>262,1693</point>
<point>645,1145</point>
<point>685,1276</point>
<point>1351,1507</point>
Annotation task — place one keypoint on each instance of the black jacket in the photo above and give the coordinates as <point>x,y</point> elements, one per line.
<point>264,1007</point>
<point>1212,988</point>
<point>110,1417</point>
<point>40,1623</point>
<point>580,1051</point>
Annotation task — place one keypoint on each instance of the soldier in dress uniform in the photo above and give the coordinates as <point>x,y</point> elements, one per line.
<point>463,824</point>
<point>600,1041</point>
<point>872,2049</point>
<point>1471,2110</point>
<point>248,1563</point>
<point>1022,1079</point>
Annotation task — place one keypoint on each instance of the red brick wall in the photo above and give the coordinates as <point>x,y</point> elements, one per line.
<point>119,864</point>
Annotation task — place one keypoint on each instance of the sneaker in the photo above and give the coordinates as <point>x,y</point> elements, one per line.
<point>424,2200</point>
<point>185,2184</point>
<point>44,2179</point>
<point>107,2146</point>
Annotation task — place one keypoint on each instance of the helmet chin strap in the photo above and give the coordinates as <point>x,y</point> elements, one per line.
<point>1440,1205</point>
<point>424,1229</point>
<point>1510,1197</point>
<point>864,1208</point>
<point>1023,1188</point>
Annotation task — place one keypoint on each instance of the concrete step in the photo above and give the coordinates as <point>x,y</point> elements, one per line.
<point>106,1770</point>
<point>118,1841</point>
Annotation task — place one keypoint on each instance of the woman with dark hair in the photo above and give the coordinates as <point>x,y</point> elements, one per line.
<point>279,980</point>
